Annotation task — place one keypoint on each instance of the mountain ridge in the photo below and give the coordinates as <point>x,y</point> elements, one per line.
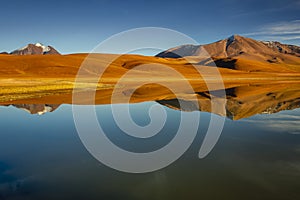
<point>229,47</point>
<point>35,49</point>
<point>240,53</point>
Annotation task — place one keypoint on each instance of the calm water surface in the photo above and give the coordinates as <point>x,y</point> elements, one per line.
<point>42,157</point>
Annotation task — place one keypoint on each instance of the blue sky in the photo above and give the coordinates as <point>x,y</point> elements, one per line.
<point>78,26</point>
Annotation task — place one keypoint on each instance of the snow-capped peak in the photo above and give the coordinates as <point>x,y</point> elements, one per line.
<point>268,42</point>
<point>35,49</point>
<point>46,109</point>
<point>45,48</point>
<point>39,44</point>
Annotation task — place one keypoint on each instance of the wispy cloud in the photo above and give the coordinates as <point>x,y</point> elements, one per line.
<point>283,122</point>
<point>279,31</point>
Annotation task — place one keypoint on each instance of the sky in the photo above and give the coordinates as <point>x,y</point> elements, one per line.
<point>79,26</point>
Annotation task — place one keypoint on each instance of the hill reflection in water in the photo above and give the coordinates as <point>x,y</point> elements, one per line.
<point>241,102</point>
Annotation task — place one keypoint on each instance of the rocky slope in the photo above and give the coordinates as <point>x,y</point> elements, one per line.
<point>39,109</point>
<point>233,46</point>
<point>245,101</point>
<point>237,52</point>
<point>35,49</point>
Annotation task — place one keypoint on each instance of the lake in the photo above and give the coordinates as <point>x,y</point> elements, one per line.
<point>255,157</point>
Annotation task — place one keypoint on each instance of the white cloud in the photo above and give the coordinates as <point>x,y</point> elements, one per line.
<point>279,31</point>
<point>286,121</point>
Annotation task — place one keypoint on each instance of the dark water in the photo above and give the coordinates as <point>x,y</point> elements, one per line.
<point>42,157</point>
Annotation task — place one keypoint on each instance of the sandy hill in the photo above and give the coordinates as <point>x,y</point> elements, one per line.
<point>237,52</point>
<point>243,62</point>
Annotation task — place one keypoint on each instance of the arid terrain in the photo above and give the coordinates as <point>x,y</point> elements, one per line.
<point>247,69</point>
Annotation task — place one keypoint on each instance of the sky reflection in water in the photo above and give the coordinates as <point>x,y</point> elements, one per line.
<point>42,157</point>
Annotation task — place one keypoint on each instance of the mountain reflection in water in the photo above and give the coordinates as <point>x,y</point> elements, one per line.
<point>241,102</point>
